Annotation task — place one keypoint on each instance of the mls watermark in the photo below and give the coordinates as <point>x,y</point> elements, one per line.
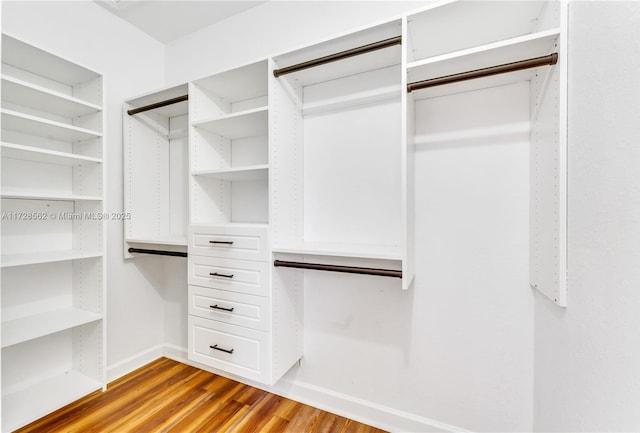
<point>65,216</point>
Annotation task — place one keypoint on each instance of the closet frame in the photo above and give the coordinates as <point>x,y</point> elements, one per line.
<point>304,106</point>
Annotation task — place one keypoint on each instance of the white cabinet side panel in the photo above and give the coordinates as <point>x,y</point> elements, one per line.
<point>286,163</point>
<point>548,183</point>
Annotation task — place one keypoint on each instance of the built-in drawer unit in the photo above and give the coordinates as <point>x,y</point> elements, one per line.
<point>229,307</point>
<point>230,348</point>
<point>245,242</point>
<point>244,276</point>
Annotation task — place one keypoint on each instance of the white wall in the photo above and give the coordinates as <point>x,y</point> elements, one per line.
<point>587,357</point>
<point>132,63</point>
<point>458,348</point>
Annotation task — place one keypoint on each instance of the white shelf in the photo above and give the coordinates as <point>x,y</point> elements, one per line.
<point>33,125</point>
<point>26,195</point>
<point>254,172</point>
<point>28,404</point>
<point>173,110</point>
<point>35,154</point>
<point>371,61</point>
<point>249,123</point>
<point>496,53</point>
<point>160,240</point>
<point>28,328</point>
<point>431,32</point>
<point>9,260</point>
<point>342,250</point>
<point>39,62</point>
<point>240,84</point>
<point>23,93</point>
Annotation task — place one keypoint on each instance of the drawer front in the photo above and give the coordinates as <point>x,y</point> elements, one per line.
<point>233,349</point>
<point>235,308</point>
<point>245,243</point>
<point>243,276</point>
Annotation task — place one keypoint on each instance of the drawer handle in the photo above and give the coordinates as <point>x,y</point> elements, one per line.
<point>221,308</point>
<point>215,274</point>
<point>215,346</point>
<point>221,242</point>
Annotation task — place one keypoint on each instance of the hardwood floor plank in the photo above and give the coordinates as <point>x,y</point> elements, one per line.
<point>168,396</point>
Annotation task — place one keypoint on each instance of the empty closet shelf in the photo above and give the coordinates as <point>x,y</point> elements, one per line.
<point>23,93</point>
<point>35,154</point>
<point>21,259</point>
<point>33,125</point>
<point>249,123</point>
<point>253,172</point>
<point>31,327</point>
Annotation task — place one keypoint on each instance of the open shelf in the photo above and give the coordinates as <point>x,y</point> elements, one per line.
<point>362,251</point>
<point>230,91</point>
<point>23,93</point>
<point>495,53</point>
<point>431,33</point>
<point>159,240</point>
<point>27,404</point>
<point>33,125</point>
<point>28,195</point>
<point>44,64</point>
<point>347,67</point>
<point>35,154</point>
<point>22,259</point>
<point>172,110</point>
<point>254,172</point>
<point>28,328</point>
<point>249,123</point>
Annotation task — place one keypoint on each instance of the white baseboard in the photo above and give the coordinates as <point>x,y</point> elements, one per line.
<point>360,410</point>
<point>127,365</point>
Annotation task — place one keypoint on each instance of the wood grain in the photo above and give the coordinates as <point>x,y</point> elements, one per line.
<point>168,396</point>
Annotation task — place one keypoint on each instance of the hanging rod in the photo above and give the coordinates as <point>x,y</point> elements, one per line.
<point>157,252</point>
<point>339,268</point>
<point>339,56</point>
<point>158,105</point>
<point>548,60</point>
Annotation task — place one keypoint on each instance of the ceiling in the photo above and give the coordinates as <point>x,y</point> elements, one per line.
<point>168,20</point>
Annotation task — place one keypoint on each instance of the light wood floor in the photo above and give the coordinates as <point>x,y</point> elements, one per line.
<point>168,396</point>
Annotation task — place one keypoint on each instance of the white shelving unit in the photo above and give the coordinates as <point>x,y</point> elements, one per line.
<point>511,32</point>
<point>341,182</point>
<point>229,147</point>
<point>238,321</point>
<point>53,235</point>
<point>156,171</point>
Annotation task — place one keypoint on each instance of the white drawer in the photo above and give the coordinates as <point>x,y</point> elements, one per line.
<point>233,349</point>
<point>245,243</point>
<point>229,307</point>
<point>243,276</point>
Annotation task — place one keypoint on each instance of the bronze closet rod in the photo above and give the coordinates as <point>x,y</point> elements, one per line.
<point>339,268</point>
<point>157,252</point>
<point>339,56</point>
<point>548,60</point>
<point>157,105</point>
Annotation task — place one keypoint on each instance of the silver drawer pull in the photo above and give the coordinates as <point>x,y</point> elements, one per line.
<point>215,307</point>
<point>215,346</point>
<point>215,274</point>
<point>221,242</point>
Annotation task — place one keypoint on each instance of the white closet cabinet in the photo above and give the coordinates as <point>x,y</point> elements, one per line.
<point>238,321</point>
<point>342,189</point>
<point>156,170</point>
<point>499,33</point>
<point>53,233</point>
